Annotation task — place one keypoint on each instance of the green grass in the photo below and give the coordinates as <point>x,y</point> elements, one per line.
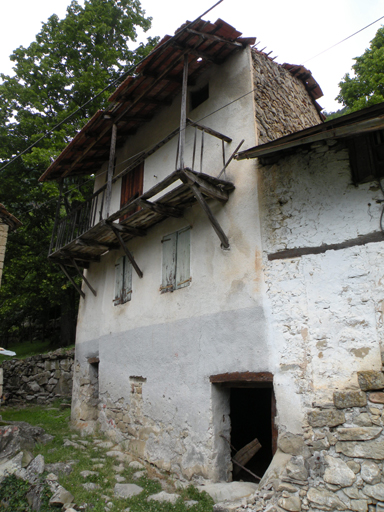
<point>27,349</point>
<point>56,422</point>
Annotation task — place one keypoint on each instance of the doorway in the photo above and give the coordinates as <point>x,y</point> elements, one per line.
<point>252,411</point>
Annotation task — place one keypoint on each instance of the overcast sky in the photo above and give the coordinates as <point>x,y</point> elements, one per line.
<point>294,30</point>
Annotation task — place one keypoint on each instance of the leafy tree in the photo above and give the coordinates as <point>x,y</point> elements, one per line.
<point>338,113</point>
<point>71,61</point>
<point>366,87</point>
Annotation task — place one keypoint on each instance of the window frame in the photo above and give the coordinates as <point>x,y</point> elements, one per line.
<point>123,281</point>
<point>176,260</point>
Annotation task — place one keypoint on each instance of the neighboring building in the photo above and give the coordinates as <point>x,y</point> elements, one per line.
<point>178,351</point>
<point>7,222</point>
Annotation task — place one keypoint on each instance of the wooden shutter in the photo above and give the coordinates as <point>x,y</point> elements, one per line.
<point>127,281</point>
<point>169,262</point>
<point>119,268</point>
<point>183,251</point>
<point>132,187</point>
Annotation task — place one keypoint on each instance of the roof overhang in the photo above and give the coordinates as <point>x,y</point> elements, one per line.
<point>157,82</point>
<point>367,120</point>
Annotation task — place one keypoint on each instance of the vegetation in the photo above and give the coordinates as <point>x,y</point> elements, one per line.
<point>71,61</point>
<point>366,86</point>
<point>55,421</point>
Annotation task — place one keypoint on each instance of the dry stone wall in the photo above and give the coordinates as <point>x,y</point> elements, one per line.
<point>38,379</point>
<point>282,103</point>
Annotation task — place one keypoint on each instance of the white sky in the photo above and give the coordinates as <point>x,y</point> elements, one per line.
<point>295,30</point>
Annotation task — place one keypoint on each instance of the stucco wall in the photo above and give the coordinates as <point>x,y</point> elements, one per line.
<point>282,105</point>
<point>326,309</point>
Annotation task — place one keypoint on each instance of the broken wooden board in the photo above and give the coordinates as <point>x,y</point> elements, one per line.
<point>244,455</point>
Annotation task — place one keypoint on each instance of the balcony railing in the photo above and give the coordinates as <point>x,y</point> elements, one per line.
<point>92,211</point>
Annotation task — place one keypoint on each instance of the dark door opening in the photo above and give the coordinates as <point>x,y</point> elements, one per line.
<point>252,416</point>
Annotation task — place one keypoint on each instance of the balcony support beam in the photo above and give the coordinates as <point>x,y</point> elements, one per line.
<point>81,274</point>
<point>126,250</point>
<point>111,168</point>
<point>62,266</point>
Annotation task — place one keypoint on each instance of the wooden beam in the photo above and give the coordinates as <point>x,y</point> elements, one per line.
<point>127,251</point>
<point>126,229</point>
<point>231,158</point>
<point>83,277</point>
<point>72,281</point>
<point>212,132</point>
<point>207,188</point>
<point>212,37</point>
<point>241,377</point>
<point>161,209</point>
<point>377,236</point>
<point>183,113</point>
<point>77,256</point>
<point>111,168</point>
<point>93,243</point>
<point>212,219</point>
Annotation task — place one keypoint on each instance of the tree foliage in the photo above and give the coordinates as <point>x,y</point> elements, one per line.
<point>72,60</point>
<point>366,87</point>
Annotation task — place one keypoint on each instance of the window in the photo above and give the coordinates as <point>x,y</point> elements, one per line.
<point>198,97</point>
<point>123,281</point>
<point>176,260</point>
<point>131,187</point>
<point>366,155</point>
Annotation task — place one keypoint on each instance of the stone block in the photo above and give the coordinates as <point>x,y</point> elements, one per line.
<point>338,473</point>
<point>346,399</point>
<point>325,500</point>
<point>370,472</point>
<point>375,491</point>
<point>326,417</point>
<point>364,450</point>
<point>292,444</point>
<point>370,380</point>
<point>292,504</point>
<point>376,397</point>
<point>358,433</point>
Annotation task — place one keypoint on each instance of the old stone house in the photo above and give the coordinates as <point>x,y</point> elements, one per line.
<point>227,299</point>
<point>7,223</point>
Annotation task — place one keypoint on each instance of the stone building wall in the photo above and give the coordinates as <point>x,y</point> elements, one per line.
<point>39,378</point>
<point>3,243</point>
<point>282,103</point>
<point>326,318</point>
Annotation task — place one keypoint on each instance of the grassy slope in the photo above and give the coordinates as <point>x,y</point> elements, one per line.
<point>56,422</point>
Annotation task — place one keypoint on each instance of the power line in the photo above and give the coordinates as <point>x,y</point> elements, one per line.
<point>342,41</point>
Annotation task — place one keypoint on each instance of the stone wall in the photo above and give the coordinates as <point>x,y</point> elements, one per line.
<point>40,378</point>
<point>282,103</point>
<point>337,464</point>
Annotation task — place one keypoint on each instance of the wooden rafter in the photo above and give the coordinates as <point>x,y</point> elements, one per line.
<point>62,266</point>
<point>207,188</point>
<point>162,209</point>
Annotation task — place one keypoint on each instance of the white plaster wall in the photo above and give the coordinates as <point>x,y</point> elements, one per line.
<point>177,340</point>
<point>325,310</point>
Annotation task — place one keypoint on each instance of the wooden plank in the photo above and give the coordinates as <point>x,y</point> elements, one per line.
<point>93,360</point>
<point>94,243</point>
<point>183,257</point>
<point>183,114</point>
<point>169,243</point>
<point>207,188</point>
<point>127,251</point>
<point>111,168</point>
<point>377,236</point>
<point>83,277</point>
<point>72,281</point>
<point>241,377</point>
<point>246,453</point>
<point>161,209</point>
<point>211,37</point>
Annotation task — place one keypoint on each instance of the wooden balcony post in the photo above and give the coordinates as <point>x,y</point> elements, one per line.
<point>111,168</point>
<point>183,115</point>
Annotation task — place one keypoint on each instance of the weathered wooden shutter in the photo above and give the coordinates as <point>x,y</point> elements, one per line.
<point>127,280</point>
<point>169,262</point>
<point>132,187</point>
<point>119,268</point>
<point>183,251</point>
